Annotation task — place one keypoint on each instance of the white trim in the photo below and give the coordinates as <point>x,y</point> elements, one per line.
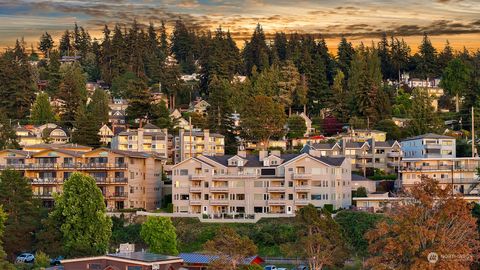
<point>192,158</point>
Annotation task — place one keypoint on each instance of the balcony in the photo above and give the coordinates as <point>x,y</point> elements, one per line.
<point>433,146</point>
<point>301,176</point>
<point>195,202</point>
<point>196,189</point>
<point>44,195</point>
<point>393,164</point>
<point>302,202</point>
<point>302,188</point>
<point>119,180</point>
<point>219,202</point>
<point>276,189</point>
<point>394,154</point>
<point>429,168</point>
<point>219,189</point>
<point>229,176</point>
<point>101,166</point>
<point>118,195</point>
<point>197,177</point>
<point>46,181</point>
<point>364,155</point>
<point>276,201</point>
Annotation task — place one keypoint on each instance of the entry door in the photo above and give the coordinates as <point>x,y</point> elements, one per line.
<point>289,210</point>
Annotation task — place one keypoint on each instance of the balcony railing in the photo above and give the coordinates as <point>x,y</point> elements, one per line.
<point>433,146</point>
<point>303,188</point>
<point>276,201</point>
<point>118,195</point>
<point>73,166</point>
<point>197,177</point>
<point>195,201</point>
<point>108,180</point>
<point>393,154</point>
<point>219,189</point>
<point>301,176</point>
<point>429,168</point>
<point>236,175</point>
<point>196,189</point>
<point>276,189</point>
<point>46,181</point>
<point>44,195</point>
<point>302,201</point>
<point>219,202</point>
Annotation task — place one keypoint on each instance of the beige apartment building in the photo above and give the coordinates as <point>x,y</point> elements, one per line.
<point>371,154</point>
<point>460,172</point>
<point>265,184</point>
<point>149,138</point>
<point>127,179</point>
<point>188,144</point>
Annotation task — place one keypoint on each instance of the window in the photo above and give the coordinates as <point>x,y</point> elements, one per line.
<point>183,172</point>
<point>258,184</point>
<point>134,268</point>
<point>316,196</point>
<point>94,266</point>
<point>258,197</point>
<point>290,197</point>
<point>258,209</point>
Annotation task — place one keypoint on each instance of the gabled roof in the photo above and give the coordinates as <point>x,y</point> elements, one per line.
<point>356,145</point>
<point>198,258</point>
<point>59,146</point>
<point>63,151</point>
<point>195,159</point>
<point>19,152</point>
<point>324,146</point>
<point>356,177</point>
<point>150,126</point>
<point>428,136</point>
<point>387,144</point>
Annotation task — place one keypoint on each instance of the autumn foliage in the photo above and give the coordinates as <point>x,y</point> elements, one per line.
<point>430,220</point>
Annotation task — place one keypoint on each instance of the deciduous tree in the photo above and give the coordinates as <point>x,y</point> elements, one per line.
<point>159,234</point>
<point>81,210</point>
<point>432,220</point>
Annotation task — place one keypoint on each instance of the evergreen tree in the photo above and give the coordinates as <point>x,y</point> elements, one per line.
<point>81,212</point>
<point>41,110</point>
<point>160,115</point>
<point>289,85</point>
<point>73,93</point>
<point>23,212</point>
<point>385,57</point>
<point>17,88</point>
<point>86,128</point>
<point>329,62</point>
<point>119,53</point>
<point>106,55</point>
<point>139,100</point>
<point>256,52</point>
<point>422,114</point>
<point>340,98</point>
<point>455,79</point>
<point>54,75</point>
<point>4,264</point>
<point>183,47</point>
<point>98,107</point>
<point>8,137</point>
<point>345,56</point>
<point>427,67</point>
<point>281,42</point>
<point>400,57</point>
<point>319,93</point>
<point>65,46</point>
<point>296,127</point>
<point>445,56</point>
<point>46,44</point>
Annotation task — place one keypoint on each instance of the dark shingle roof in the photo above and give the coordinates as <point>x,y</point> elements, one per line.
<point>323,146</point>
<point>143,257</point>
<point>198,258</point>
<point>354,144</point>
<point>428,136</point>
<point>386,144</point>
<point>333,161</point>
<point>150,126</point>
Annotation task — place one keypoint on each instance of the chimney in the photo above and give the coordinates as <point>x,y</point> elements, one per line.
<point>140,139</point>
<point>242,153</point>
<point>262,154</point>
<point>276,153</point>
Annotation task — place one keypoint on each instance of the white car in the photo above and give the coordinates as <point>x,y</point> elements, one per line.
<point>25,258</point>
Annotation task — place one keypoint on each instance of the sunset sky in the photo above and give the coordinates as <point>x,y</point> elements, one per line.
<point>359,20</point>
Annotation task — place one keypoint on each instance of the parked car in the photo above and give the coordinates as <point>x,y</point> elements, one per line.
<point>25,258</point>
<point>56,261</point>
<point>301,267</point>
<point>270,267</point>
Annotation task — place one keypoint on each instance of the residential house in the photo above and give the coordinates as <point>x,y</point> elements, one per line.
<point>117,114</point>
<point>48,133</point>
<point>178,120</point>
<point>190,144</point>
<point>106,134</point>
<point>361,181</point>
<point>127,179</point>
<point>199,106</point>
<point>429,146</point>
<point>263,185</point>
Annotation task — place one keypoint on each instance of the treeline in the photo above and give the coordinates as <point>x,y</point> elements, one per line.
<point>291,73</point>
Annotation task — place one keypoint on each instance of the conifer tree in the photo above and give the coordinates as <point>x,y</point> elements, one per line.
<point>340,100</point>
<point>65,46</point>
<point>139,100</point>
<point>445,56</point>
<point>183,47</point>
<point>345,56</point>
<point>54,75</point>
<point>41,110</point>
<point>8,137</point>
<point>160,116</point>
<point>46,44</point>
<point>73,93</point>
<point>256,52</point>
<point>319,93</point>
<point>98,107</point>
<point>427,67</point>
<point>86,128</point>
<point>4,264</point>
<point>424,119</point>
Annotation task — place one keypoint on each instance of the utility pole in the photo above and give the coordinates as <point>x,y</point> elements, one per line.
<point>473,134</point>
<point>191,130</point>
